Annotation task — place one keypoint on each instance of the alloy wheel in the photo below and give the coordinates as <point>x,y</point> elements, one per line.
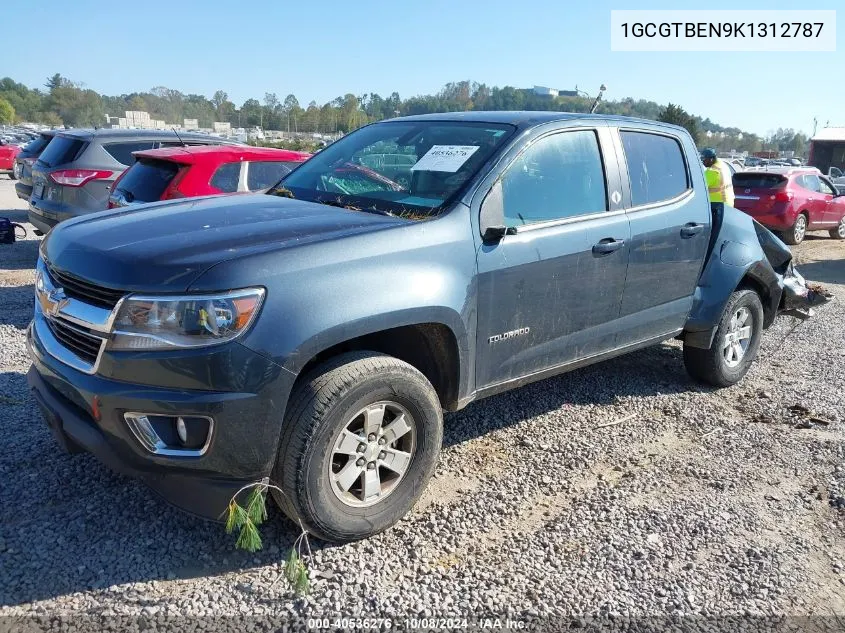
<point>800,229</point>
<point>372,453</point>
<point>840,230</point>
<point>738,337</point>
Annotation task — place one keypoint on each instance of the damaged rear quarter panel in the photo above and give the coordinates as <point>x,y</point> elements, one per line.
<point>736,258</point>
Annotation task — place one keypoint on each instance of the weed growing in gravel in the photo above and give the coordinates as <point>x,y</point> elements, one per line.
<point>246,521</point>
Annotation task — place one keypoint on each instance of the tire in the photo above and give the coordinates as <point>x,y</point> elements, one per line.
<point>325,409</point>
<point>839,232</point>
<point>796,234</point>
<point>713,366</point>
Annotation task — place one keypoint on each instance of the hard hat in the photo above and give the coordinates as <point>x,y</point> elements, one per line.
<point>708,152</point>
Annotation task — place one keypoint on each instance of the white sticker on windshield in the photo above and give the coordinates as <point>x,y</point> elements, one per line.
<point>445,158</point>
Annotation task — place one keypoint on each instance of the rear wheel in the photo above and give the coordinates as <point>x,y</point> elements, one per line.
<point>796,234</point>
<point>735,344</point>
<point>362,436</point>
<point>839,232</point>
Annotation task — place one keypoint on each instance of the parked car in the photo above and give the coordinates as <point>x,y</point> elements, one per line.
<point>312,335</point>
<point>792,201</point>
<point>74,173</point>
<point>753,161</point>
<point>186,172</point>
<point>26,159</point>
<point>8,152</point>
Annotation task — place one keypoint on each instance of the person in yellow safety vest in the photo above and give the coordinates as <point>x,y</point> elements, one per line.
<point>718,177</point>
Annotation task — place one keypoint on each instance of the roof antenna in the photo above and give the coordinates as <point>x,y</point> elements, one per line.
<point>179,137</point>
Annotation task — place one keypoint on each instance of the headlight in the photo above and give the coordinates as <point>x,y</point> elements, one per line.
<point>154,323</point>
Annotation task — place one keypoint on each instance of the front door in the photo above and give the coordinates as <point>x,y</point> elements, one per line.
<point>549,291</point>
<point>670,219</point>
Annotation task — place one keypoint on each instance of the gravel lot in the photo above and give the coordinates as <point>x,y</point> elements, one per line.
<point>705,502</point>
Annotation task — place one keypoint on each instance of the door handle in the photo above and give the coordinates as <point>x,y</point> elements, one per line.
<point>607,245</point>
<point>691,229</point>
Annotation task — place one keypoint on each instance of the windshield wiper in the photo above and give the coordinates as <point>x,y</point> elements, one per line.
<point>352,207</point>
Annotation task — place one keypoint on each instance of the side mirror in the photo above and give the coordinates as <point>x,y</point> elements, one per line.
<point>492,217</point>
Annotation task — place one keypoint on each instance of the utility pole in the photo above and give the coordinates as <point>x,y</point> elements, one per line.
<point>815,125</point>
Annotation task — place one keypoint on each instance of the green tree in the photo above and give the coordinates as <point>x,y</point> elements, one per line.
<point>676,115</point>
<point>7,112</point>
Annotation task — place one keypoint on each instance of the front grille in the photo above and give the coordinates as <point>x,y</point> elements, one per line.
<point>84,345</point>
<point>86,291</point>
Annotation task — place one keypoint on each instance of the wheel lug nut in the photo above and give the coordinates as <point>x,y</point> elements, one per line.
<point>371,466</point>
<point>362,448</point>
<point>382,441</point>
<point>360,463</point>
<point>371,437</point>
<point>382,455</point>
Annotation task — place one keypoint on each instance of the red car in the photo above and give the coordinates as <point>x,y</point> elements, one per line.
<point>7,159</point>
<point>792,201</point>
<point>202,170</point>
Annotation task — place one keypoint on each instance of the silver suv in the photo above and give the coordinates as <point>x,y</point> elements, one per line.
<point>74,173</point>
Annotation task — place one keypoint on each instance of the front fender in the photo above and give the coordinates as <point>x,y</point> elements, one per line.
<point>320,295</point>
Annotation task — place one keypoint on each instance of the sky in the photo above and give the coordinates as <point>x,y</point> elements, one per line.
<point>322,49</point>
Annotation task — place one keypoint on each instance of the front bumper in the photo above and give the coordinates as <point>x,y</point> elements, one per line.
<point>85,412</point>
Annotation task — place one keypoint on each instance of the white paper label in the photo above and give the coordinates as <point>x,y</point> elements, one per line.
<point>445,158</point>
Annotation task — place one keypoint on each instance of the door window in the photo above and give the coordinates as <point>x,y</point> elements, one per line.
<point>656,167</point>
<point>560,176</point>
<point>263,174</point>
<point>810,182</point>
<point>122,152</point>
<point>226,177</point>
<point>826,188</point>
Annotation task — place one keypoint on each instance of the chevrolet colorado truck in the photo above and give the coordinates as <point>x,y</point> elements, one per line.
<point>312,335</point>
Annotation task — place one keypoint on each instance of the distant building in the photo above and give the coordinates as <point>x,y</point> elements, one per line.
<point>542,91</point>
<point>222,127</point>
<point>192,124</point>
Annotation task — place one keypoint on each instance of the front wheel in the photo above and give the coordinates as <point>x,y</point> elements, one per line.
<point>839,232</point>
<point>796,234</point>
<point>362,435</point>
<point>735,345</point>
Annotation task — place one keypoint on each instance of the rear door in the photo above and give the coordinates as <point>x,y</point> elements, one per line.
<point>549,291</point>
<point>827,192</point>
<point>814,202</point>
<point>669,212</point>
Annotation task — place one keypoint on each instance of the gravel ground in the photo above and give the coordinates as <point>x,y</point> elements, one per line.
<point>704,503</point>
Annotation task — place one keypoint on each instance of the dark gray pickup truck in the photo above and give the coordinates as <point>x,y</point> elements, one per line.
<point>314,334</point>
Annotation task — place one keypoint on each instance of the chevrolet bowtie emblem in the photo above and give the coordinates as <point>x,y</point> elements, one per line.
<point>56,300</point>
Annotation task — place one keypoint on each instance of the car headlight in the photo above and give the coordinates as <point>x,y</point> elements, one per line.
<point>155,323</point>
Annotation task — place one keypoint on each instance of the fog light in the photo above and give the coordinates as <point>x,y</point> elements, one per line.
<point>182,430</point>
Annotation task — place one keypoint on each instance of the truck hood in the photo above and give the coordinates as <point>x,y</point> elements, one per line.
<point>164,247</point>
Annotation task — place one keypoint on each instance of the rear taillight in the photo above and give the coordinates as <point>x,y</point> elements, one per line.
<point>78,177</point>
<point>172,190</point>
<point>783,196</point>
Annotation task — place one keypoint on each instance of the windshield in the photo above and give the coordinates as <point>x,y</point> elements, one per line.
<point>405,168</point>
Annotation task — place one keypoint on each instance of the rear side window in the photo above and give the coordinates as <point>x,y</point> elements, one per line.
<point>226,177</point>
<point>122,152</point>
<point>62,150</point>
<point>559,176</point>
<point>758,180</point>
<point>146,180</point>
<point>809,181</point>
<point>656,167</point>
<point>263,174</point>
